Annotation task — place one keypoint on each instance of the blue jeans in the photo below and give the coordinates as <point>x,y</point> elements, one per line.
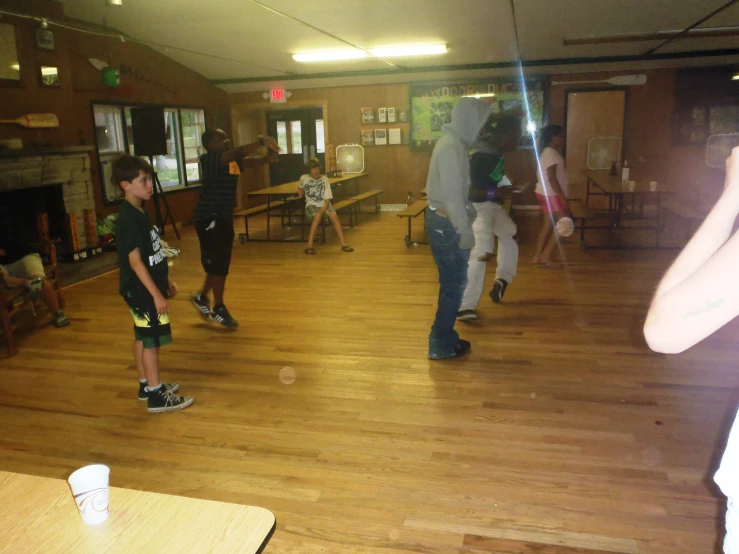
<point>452,263</point>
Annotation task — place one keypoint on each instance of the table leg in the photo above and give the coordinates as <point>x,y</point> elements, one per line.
<point>659,216</point>
<point>269,198</point>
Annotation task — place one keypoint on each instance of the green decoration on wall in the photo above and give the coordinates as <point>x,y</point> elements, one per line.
<point>111,77</point>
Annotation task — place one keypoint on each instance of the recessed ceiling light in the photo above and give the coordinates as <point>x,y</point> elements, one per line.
<point>384,52</point>
<point>735,77</point>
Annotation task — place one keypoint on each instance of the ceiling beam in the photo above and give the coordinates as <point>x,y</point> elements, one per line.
<point>482,66</point>
<point>691,27</point>
<point>703,32</point>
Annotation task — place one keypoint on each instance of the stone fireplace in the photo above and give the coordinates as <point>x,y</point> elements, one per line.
<point>56,182</point>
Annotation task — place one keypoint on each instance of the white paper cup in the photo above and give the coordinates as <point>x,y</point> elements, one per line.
<point>90,488</point>
<point>653,185</point>
<point>565,227</point>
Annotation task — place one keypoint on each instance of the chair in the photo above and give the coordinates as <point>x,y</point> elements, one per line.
<point>14,300</point>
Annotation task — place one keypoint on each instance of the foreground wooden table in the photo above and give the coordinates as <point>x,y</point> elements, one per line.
<point>38,514</point>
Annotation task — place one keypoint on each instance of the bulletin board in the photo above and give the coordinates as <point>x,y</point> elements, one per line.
<point>431,106</point>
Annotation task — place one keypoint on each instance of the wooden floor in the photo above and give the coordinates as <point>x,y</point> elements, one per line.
<point>560,433</point>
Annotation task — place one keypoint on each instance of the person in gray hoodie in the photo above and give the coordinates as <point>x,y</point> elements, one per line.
<point>449,221</point>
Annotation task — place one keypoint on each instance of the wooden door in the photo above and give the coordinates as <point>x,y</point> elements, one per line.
<point>590,114</point>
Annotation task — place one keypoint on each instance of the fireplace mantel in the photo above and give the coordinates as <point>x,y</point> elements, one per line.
<point>45,151</point>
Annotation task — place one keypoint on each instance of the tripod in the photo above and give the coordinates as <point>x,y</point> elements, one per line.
<point>157,193</point>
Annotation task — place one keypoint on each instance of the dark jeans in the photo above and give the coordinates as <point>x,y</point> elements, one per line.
<point>452,263</point>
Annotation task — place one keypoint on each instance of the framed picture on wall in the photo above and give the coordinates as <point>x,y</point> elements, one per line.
<point>49,76</point>
<point>367,137</point>
<point>44,39</point>
<point>368,115</point>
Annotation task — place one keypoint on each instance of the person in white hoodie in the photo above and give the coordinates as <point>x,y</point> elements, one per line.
<point>449,221</point>
<point>696,297</point>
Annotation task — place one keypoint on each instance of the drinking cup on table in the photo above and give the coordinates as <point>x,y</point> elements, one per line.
<point>91,490</point>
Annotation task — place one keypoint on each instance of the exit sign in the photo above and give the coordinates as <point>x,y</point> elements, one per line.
<point>277,96</point>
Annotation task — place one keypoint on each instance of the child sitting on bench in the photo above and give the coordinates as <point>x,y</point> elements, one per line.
<point>316,189</point>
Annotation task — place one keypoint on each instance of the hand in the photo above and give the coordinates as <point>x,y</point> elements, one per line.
<point>271,143</point>
<point>301,192</point>
<point>172,289</point>
<point>467,242</point>
<point>160,303</point>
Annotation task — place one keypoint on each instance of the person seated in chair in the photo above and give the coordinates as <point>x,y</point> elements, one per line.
<point>20,267</point>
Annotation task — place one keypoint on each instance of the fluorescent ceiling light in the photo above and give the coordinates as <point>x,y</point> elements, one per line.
<point>734,78</point>
<point>386,52</point>
<point>330,56</point>
<point>481,95</point>
<point>49,71</point>
<point>415,50</point>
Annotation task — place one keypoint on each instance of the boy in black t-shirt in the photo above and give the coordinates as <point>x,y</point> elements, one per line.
<point>145,283</point>
<point>214,215</point>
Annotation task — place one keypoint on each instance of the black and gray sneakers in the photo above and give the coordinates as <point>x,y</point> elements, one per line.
<point>466,315</point>
<point>202,303</point>
<point>220,314</point>
<point>174,387</point>
<point>164,400</point>
<point>498,290</point>
<point>462,349</point>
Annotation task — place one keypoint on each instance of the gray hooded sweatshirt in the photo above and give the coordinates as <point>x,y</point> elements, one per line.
<point>448,182</point>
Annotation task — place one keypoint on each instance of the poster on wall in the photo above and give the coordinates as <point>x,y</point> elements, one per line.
<point>431,106</point>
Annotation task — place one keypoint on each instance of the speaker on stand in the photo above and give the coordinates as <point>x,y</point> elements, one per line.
<point>149,140</point>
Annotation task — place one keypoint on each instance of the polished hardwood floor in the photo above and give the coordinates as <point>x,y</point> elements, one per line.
<point>560,433</point>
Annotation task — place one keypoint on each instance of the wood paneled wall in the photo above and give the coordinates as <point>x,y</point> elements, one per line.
<point>648,138</point>
<point>159,81</point>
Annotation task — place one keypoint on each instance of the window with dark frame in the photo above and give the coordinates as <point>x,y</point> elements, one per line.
<point>177,170</point>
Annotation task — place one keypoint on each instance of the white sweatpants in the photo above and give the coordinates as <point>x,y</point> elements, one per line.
<point>491,220</point>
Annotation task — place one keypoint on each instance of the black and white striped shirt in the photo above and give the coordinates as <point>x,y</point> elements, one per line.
<point>218,193</point>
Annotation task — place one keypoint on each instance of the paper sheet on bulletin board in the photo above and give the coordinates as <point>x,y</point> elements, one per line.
<point>431,106</point>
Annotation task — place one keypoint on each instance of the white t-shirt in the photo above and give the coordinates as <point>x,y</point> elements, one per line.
<point>727,478</point>
<point>550,157</point>
<point>316,191</point>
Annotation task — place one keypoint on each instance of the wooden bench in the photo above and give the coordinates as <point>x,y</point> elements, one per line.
<point>412,212</point>
<point>255,210</point>
<point>581,213</point>
<point>690,215</point>
<point>350,204</point>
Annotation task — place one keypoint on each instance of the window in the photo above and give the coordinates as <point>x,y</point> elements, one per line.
<point>177,169</point>
<point>320,139</point>
<point>296,137</point>
<point>193,127</point>
<point>282,136</point>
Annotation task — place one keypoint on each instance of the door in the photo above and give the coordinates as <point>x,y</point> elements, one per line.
<point>590,114</point>
<point>300,135</point>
